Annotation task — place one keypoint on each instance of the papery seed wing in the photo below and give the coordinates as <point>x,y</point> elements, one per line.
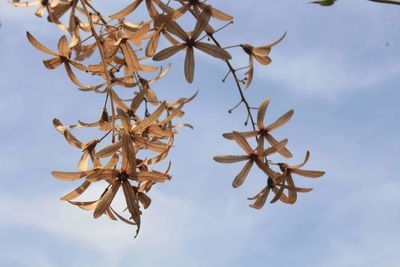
<point>261,113</point>
<point>151,9</point>
<point>102,174</point>
<point>144,199</point>
<point>151,96</point>
<point>161,74</point>
<point>275,148</point>
<point>180,11</point>
<point>151,119</point>
<point>298,166</point>
<point>151,145</point>
<point>260,147</point>
<point>75,80</point>
<point>153,44</point>
<point>202,21</point>
<point>84,161</point>
<point>63,46</point>
<point>40,11</point>
<point>106,199</point>
<point>52,63</point>
<point>292,195</point>
<point>261,199</point>
<point>85,205</point>
<point>125,120</point>
<point>121,217</point>
<point>72,140</point>
<point>278,195</point>
<point>130,56</point>
<point>77,191</point>
<point>264,50</point>
<point>189,64</point>
<point>153,176</point>
<point>263,60</point>
<point>168,52</point>
<point>126,11</point>
<point>284,151</point>
<point>249,76</point>
<point>246,135</point>
<point>113,162</point>
<point>175,112</point>
<point>284,198</point>
<point>39,46</point>
<point>297,189</point>
<point>109,150</point>
<point>110,214</point>
<point>264,167</point>
<point>169,38</point>
<point>137,101</point>
<point>118,101</point>
<point>239,179</point>
<point>218,14</point>
<point>162,155</point>
<point>175,29</point>
<point>230,159</point>
<point>307,173</point>
<point>17,3</point>
<point>147,68</point>
<point>128,155</point>
<point>281,121</point>
<point>241,141</point>
<point>213,50</point>
<point>71,176</point>
<point>132,203</point>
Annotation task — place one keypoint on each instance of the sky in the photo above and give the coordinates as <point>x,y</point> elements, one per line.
<point>338,68</point>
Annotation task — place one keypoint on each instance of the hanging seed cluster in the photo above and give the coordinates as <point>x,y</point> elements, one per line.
<point>129,130</point>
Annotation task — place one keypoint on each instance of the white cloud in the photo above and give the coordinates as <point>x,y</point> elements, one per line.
<point>161,230</point>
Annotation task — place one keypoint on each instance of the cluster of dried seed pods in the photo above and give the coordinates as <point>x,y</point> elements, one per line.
<point>140,130</point>
<point>279,181</point>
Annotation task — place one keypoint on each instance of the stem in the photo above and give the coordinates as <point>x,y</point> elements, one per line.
<point>239,87</point>
<point>101,52</point>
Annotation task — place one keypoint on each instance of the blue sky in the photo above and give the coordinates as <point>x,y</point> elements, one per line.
<point>338,69</point>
